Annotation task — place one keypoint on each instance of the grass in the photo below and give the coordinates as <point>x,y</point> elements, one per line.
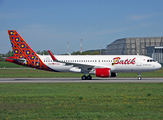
<point>28,73</point>
<point>10,65</point>
<point>34,73</point>
<point>81,101</point>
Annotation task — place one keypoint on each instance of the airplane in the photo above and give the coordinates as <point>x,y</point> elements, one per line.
<point>99,65</point>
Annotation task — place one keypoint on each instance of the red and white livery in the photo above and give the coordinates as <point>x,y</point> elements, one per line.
<point>99,65</point>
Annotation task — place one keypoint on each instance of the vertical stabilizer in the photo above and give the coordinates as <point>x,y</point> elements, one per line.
<point>22,51</point>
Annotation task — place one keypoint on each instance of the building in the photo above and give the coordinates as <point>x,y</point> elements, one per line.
<point>132,46</point>
<point>156,52</point>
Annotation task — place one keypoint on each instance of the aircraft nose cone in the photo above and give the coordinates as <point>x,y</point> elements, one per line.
<point>158,66</point>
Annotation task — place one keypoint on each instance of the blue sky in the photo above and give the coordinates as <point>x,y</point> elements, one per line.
<point>50,24</point>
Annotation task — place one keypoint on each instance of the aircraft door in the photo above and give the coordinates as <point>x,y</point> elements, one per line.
<point>139,61</point>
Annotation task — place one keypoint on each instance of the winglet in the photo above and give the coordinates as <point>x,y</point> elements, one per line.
<point>53,58</point>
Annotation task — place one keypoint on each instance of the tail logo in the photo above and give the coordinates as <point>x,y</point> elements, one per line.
<point>16,51</point>
<point>21,50</point>
<point>11,33</point>
<point>28,52</point>
<point>16,39</point>
<point>22,46</point>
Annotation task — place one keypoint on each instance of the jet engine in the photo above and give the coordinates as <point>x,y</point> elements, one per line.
<point>104,72</point>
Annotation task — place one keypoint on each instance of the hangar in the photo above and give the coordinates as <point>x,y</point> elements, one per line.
<point>156,52</point>
<point>132,46</point>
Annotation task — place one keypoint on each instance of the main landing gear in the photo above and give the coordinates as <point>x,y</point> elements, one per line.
<point>139,76</point>
<point>89,77</point>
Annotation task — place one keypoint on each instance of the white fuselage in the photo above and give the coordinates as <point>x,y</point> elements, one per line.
<point>117,63</point>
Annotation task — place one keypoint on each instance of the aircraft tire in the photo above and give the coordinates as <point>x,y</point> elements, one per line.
<point>89,77</point>
<point>83,77</point>
<point>139,78</point>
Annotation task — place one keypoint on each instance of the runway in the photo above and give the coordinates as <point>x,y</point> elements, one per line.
<point>78,80</point>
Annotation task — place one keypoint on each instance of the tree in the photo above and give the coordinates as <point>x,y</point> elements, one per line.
<point>76,53</point>
<point>44,52</point>
<point>38,52</point>
<point>10,53</point>
<point>94,52</point>
<point>1,59</point>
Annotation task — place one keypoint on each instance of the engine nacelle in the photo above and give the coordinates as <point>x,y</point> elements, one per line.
<point>113,74</point>
<point>103,72</point>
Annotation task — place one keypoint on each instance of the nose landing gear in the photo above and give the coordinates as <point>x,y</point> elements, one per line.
<point>139,76</point>
<point>89,77</point>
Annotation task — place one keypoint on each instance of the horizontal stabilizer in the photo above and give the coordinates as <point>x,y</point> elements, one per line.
<point>14,60</point>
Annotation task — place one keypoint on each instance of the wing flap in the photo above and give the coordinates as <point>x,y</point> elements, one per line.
<point>84,67</point>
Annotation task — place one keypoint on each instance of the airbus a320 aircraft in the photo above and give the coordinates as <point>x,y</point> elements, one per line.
<point>99,65</point>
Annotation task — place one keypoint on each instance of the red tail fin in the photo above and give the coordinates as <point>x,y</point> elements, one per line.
<point>19,46</point>
<point>21,50</point>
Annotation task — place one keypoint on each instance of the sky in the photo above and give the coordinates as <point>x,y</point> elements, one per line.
<point>51,24</point>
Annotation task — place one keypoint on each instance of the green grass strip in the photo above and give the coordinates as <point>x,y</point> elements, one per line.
<point>10,65</point>
<point>81,101</point>
<point>34,73</point>
<point>27,73</point>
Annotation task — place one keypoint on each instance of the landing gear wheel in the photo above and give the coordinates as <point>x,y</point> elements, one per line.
<point>89,77</point>
<point>139,78</point>
<point>83,77</point>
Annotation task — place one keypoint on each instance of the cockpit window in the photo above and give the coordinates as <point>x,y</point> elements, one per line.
<point>150,60</point>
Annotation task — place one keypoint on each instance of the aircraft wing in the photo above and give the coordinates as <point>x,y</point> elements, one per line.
<point>84,67</point>
<point>13,59</point>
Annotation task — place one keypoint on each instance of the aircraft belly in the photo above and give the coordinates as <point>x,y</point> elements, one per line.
<point>129,68</point>
<point>60,68</point>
